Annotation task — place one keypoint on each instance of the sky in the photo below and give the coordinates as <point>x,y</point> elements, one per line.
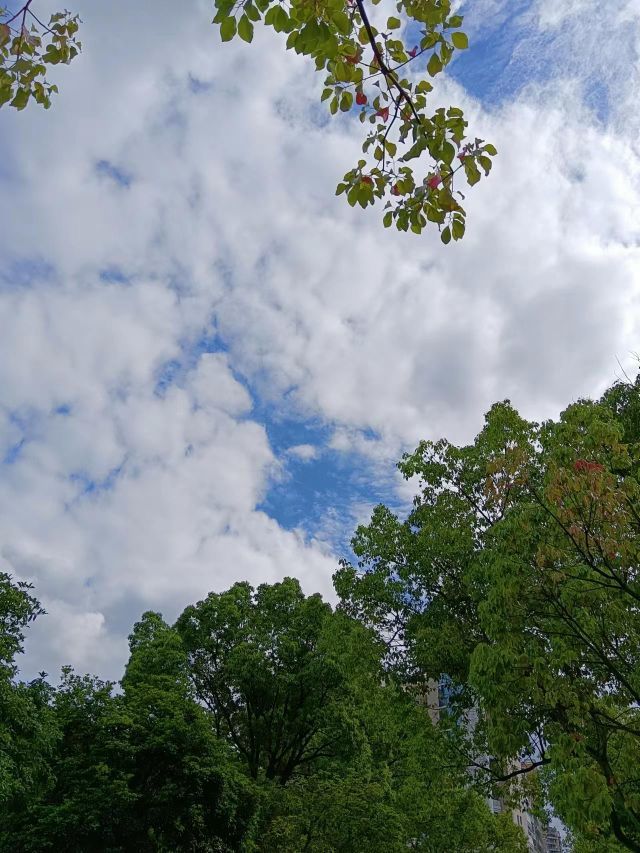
<point>209,364</point>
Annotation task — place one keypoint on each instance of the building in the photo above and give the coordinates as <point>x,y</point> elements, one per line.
<point>554,841</point>
<point>437,698</point>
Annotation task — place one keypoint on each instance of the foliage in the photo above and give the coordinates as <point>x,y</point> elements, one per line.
<point>367,72</point>
<point>17,609</point>
<point>516,574</point>
<point>86,799</point>
<point>404,787</point>
<point>345,759</point>
<point>141,771</point>
<point>275,668</point>
<point>298,743</point>
<point>25,731</point>
<point>27,47</point>
<point>190,790</point>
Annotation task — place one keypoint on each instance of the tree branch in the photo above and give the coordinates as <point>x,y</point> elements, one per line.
<point>386,71</point>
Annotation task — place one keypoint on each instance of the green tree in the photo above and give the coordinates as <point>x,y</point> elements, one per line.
<point>190,793</point>
<point>27,47</point>
<point>345,759</point>
<point>264,723</point>
<point>86,804</point>
<point>276,671</point>
<point>516,574</point>
<point>367,72</point>
<point>138,771</point>
<point>26,731</point>
<point>407,788</point>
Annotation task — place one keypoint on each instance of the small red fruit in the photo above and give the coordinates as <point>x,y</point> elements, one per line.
<point>383,113</point>
<point>434,182</point>
<point>366,179</point>
<point>361,99</point>
<point>462,157</point>
<point>395,190</point>
<point>413,52</point>
<point>353,60</point>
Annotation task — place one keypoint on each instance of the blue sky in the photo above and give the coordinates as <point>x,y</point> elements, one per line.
<point>210,365</point>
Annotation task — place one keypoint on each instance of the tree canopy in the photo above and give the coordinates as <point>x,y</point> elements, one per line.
<point>488,644</point>
<point>260,722</point>
<point>516,575</point>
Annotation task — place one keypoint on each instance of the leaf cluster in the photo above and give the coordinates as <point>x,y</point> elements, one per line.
<point>27,48</point>
<point>367,72</point>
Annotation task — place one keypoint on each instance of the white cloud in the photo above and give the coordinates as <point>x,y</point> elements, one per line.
<point>303,452</point>
<point>124,499</point>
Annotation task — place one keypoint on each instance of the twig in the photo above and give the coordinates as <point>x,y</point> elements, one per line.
<point>386,71</point>
<point>38,21</point>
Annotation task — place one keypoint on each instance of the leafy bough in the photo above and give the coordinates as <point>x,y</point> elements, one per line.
<point>365,72</point>
<point>27,47</point>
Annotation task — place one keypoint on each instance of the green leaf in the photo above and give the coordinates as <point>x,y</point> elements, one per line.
<point>342,22</point>
<point>387,219</point>
<point>340,189</point>
<point>228,29</point>
<point>52,55</point>
<point>245,29</point>
<point>270,17</point>
<point>485,162</point>
<point>280,20</point>
<point>20,99</point>
<point>448,153</point>
<point>490,149</point>
<point>434,66</point>
<point>292,41</point>
<point>346,101</point>
<point>393,23</point>
<point>460,40</point>
<point>364,195</point>
<point>472,172</point>
<point>251,12</point>
<point>458,229</point>
<point>445,235</point>
<point>5,94</point>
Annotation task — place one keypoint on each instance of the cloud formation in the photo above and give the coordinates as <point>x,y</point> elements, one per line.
<point>174,253</point>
